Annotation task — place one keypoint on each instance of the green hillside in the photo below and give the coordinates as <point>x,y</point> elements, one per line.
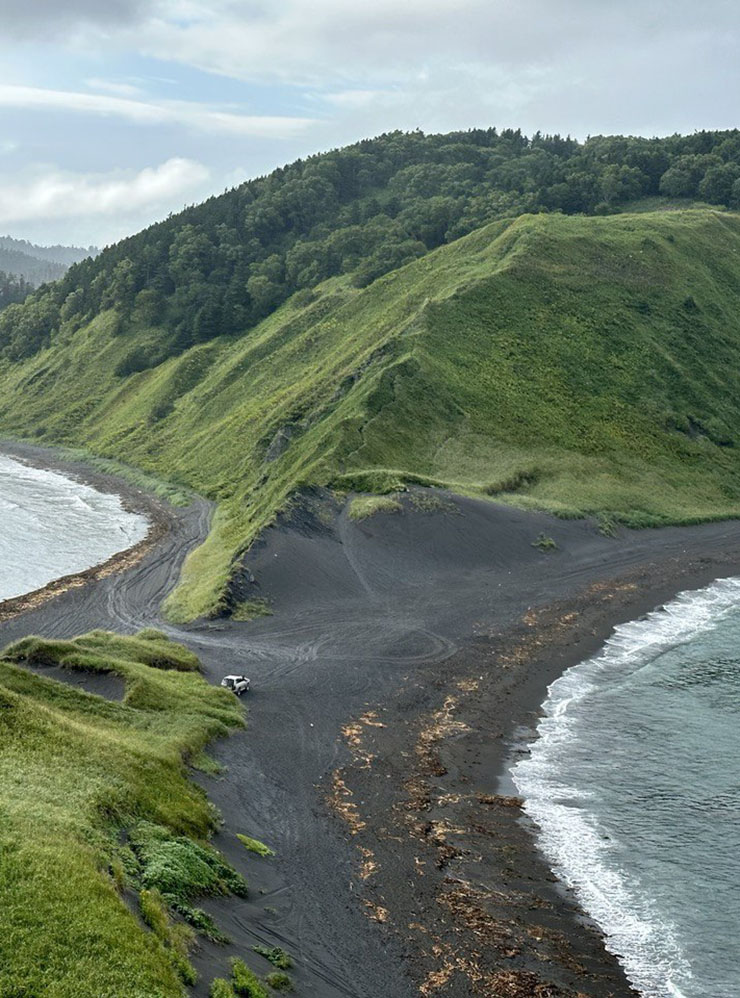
<point>103,836</point>
<point>220,267</point>
<point>583,364</point>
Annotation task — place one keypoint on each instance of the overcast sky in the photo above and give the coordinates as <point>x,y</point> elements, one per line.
<point>115,112</point>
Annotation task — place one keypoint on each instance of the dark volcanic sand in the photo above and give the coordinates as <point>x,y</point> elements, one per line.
<point>405,655</point>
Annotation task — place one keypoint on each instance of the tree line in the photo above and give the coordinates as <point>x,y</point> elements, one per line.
<point>13,290</point>
<point>220,267</point>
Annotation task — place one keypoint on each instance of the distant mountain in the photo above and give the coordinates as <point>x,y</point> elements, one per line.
<point>38,264</point>
<point>34,272</point>
<point>66,255</point>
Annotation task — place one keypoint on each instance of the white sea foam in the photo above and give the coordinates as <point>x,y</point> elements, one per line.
<point>579,849</point>
<point>52,526</point>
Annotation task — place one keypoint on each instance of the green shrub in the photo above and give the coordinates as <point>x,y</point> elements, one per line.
<point>182,937</point>
<point>280,981</point>
<point>221,989</point>
<point>141,358</point>
<point>277,956</point>
<point>201,921</point>
<point>545,543</point>
<point>302,298</point>
<point>184,968</point>
<point>608,524</point>
<point>246,982</point>
<point>180,868</point>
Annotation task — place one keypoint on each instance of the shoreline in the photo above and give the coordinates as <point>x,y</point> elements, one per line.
<point>641,936</point>
<point>396,784</point>
<point>133,500</point>
<point>436,792</point>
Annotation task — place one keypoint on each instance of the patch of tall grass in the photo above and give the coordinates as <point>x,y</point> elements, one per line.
<point>97,811</point>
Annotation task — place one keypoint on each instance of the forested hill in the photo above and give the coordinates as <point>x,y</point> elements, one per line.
<point>364,210</point>
<point>338,324</point>
<point>13,290</point>
<point>583,365</point>
<point>37,265</point>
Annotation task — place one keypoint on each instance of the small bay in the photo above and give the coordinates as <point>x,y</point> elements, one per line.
<point>52,526</point>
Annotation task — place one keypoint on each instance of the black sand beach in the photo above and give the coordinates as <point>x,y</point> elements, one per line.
<point>406,656</point>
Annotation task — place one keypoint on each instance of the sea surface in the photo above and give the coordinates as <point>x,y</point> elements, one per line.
<point>634,781</point>
<point>51,526</point>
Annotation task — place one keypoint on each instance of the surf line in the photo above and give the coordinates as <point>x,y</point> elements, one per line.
<point>569,834</point>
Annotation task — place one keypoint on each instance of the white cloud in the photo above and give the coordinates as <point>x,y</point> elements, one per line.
<point>115,87</point>
<point>53,194</point>
<point>234,177</point>
<point>200,117</point>
<point>579,66</point>
<point>568,65</point>
<point>361,98</point>
<point>296,41</point>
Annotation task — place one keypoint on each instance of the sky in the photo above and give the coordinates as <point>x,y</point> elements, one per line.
<point>114,113</point>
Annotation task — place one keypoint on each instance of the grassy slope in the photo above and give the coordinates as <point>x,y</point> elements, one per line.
<point>554,360</point>
<point>75,770</point>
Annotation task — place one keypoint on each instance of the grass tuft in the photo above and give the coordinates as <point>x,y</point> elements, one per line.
<point>254,845</point>
<point>221,989</point>
<point>545,543</point>
<point>251,610</point>
<point>362,507</point>
<point>205,763</point>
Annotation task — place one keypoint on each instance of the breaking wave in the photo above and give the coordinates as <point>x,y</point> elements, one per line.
<point>52,526</point>
<point>594,782</point>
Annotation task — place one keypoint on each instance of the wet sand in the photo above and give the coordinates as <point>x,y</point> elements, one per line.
<point>406,658</point>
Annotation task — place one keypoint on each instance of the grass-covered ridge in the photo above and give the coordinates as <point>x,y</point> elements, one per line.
<point>103,839</point>
<point>217,268</point>
<point>586,365</point>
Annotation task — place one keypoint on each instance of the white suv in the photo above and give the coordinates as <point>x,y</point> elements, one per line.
<point>237,684</point>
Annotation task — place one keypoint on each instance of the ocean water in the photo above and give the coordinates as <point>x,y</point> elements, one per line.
<point>51,526</point>
<point>634,782</point>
